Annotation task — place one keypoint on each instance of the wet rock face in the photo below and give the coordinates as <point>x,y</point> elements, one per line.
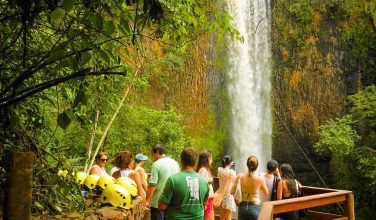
<point>315,69</point>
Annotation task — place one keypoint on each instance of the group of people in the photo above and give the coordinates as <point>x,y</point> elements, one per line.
<point>186,191</point>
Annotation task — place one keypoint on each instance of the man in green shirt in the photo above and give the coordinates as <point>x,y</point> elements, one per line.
<point>186,192</point>
<point>162,168</point>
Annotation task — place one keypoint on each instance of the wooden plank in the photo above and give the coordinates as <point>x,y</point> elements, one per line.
<point>308,190</point>
<point>266,211</point>
<point>296,205</point>
<point>325,216</point>
<point>349,206</point>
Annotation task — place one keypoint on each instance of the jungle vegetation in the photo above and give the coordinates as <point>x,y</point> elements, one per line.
<point>68,70</point>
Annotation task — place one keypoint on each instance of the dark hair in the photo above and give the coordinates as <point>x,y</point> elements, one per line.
<point>272,165</point>
<point>158,149</point>
<point>113,161</point>
<point>203,160</point>
<point>99,155</point>
<point>123,159</point>
<point>226,160</point>
<point>188,157</point>
<point>289,177</point>
<point>252,164</point>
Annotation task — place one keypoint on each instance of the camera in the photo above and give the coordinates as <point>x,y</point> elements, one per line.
<point>233,166</point>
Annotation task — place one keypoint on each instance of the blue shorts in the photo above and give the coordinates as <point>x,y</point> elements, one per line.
<point>248,211</point>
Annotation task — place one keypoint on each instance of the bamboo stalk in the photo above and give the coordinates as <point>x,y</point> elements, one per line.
<point>90,147</point>
<point>116,112</point>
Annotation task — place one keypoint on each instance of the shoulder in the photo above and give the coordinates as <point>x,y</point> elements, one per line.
<point>220,170</point>
<point>203,171</point>
<point>260,179</point>
<point>200,177</point>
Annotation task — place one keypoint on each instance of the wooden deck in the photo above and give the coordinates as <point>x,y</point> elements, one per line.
<point>314,197</point>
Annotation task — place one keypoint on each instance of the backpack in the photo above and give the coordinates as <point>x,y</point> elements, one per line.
<point>274,190</point>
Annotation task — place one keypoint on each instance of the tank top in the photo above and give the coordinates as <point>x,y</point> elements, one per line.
<point>269,185</point>
<point>102,171</point>
<point>138,168</point>
<point>209,178</point>
<point>125,173</point>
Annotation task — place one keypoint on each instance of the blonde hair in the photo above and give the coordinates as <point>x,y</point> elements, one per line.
<point>252,164</point>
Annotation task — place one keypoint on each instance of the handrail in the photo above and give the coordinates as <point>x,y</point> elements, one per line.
<point>314,197</point>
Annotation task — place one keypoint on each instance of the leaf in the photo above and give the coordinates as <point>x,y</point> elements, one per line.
<point>99,22</point>
<point>109,27</point>
<point>104,55</point>
<point>56,53</point>
<point>68,4</point>
<point>38,205</point>
<point>63,120</point>
<point>124,27</point>
<point>57,14</point>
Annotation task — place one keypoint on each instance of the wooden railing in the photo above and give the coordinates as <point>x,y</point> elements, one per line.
<point>313,197</point>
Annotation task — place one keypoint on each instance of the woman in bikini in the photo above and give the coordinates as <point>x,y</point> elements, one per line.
<point>250,185</point>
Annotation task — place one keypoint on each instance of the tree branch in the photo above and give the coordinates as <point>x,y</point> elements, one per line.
<point>43,86</point>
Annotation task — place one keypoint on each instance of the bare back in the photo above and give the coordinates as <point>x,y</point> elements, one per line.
<point>251,186</point>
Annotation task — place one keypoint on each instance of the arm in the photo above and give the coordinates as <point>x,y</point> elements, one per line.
<point>150,193</point>
<point>206,198</point>
<point>234,185</point>
<point>166,196</point>
<point>116,174</point>
<point>264,188</point>
<point>279,190</point>
<point>94,170</point>
<point>141,171</point>
<point>278,174</point>
<point>137,179</point>
<point>162,205</point>
<point>152,183</point>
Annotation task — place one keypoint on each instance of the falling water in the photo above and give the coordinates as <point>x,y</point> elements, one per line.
<point>249,83</point>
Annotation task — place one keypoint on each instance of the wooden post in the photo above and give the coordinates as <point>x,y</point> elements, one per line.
<point>349,206</point>
<point>19,185</point>
<point>147,214</point>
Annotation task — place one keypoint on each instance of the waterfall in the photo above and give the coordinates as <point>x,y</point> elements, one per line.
<point>248,83</point>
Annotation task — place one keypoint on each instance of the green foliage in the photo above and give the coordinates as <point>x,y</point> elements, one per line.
<point>351,141</point>
<point>48,101</point>
<point>364,107</point>
<point>62,190</point>
<point>140,128</point>
<point>337,136</point>
<point>301,11</point>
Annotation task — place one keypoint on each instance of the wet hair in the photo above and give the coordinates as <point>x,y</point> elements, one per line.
<point>226,160</point>
<point>123,159</point>
<point>289,176</point>
<point>158,149</point>
<point>272,165</point>
<point>100,154</point>
<point>188,157</point>
<point>252,164</point>
<point>203,160</point>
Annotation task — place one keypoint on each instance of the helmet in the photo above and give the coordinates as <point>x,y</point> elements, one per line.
<point>62,173</point>
<point>128,184</point>
<point>91,181</point>
<point>117,196</point>
<point>80,177</point>
<point>104,181</point>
